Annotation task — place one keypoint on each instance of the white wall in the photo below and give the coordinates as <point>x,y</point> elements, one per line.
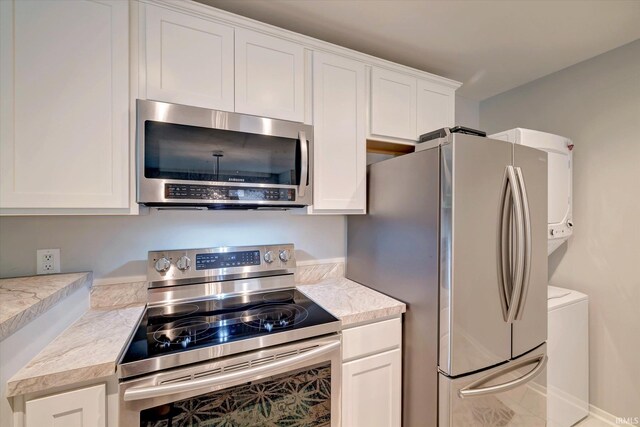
<point>597,104</point>
<point>117,246</point>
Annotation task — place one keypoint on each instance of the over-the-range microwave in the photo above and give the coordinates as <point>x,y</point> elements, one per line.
<point>190,157</point>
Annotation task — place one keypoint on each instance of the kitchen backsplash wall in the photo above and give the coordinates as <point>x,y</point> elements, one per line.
<point>115,247</point>
<point>597,104</point>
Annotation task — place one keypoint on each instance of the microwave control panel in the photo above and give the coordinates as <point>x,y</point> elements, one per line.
<point>219,192</point>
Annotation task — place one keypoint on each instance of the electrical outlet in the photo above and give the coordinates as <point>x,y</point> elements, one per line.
<point>48,261</point>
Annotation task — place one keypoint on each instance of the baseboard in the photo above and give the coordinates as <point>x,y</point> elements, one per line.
<point>606,417</point>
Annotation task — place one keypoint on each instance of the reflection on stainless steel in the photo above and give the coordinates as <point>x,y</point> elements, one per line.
<point>160,363</point>
<point>452,231</point>
<point>290,357</point>
<point>175,276</point>
<point>153,191</point>
<point>226,317</point>
<point>158,389</point>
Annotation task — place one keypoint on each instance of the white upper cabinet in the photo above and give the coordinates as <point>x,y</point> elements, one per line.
<point>404,107</point>
<point>339,112</point>
<point>269,76</point>
<point>189,60</point>
<point>393,105</point>
<point>436,106</point>
<point>64,108</point>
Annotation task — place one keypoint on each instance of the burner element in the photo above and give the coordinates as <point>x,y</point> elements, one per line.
<point>181,310</point>
<point>278,296</point>
<point>274,316</point>
<point>182,332</point>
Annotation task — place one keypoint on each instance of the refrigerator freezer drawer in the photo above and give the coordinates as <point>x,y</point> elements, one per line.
<point>512,394</point>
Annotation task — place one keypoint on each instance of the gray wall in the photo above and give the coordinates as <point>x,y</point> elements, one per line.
<point>467,112</point>
<point>597,104</point>
<point>117,246</point>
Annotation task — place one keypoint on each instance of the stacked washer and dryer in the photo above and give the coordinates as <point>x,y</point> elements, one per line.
<point>568,322</point>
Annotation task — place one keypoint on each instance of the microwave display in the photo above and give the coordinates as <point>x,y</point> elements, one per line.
<point>218,192</point>
<point>192,153</point>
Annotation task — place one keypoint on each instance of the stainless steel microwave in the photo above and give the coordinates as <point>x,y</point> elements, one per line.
<point>196,157</point>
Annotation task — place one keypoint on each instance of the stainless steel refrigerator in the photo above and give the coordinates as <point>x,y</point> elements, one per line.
<point>457,231</point>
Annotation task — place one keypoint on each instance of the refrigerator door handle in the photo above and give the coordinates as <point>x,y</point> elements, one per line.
<point>505,285</point>
<point>518,274</point>
<point>475,388</point>
<point>527,244</point>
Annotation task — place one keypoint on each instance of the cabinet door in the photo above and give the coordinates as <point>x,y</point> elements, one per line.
<point>436,107</point>
<point>393,105</point>
<point>64,104</point>
<point>372,391</point>
<point>189,60</point>
<point>78,408</point>
<point>269,76</point>
<point>339,134</point>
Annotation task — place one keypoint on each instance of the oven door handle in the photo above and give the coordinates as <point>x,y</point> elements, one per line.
<point>140,393</point>
<point>304,163</point>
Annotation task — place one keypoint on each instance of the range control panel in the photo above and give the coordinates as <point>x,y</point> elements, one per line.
<point>221,263</point>
<point>227,259</point>
<point>219,192</point>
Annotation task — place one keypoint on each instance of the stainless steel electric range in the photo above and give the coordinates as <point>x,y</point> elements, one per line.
<point>226,339</point>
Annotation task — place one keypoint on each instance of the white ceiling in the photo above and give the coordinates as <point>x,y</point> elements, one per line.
<point>489,45</point>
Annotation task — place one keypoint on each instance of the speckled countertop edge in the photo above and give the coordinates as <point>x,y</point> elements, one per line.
<point>352,302</point>
<point>82,352</point>
<point>23,299</point>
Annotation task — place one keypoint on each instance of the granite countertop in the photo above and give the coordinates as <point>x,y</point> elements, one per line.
<point>88,350</point>
<point>22,299</point>
<point>351,302</point>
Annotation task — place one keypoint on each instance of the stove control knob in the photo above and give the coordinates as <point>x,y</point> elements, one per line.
<point>162,265</point>
<point>285,255</point>
<point>269,257</point>
<point>183,263</point>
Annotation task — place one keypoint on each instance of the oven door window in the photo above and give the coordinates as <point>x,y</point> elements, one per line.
<point>180,152</point>
<point>301,398</point>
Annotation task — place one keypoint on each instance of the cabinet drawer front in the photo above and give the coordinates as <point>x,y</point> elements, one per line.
<point>369,339</point>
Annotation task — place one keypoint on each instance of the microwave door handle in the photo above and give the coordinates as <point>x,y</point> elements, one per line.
<point>140,393</point>
<point>304,163</point>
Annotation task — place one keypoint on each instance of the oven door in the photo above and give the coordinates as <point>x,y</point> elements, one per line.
<point>190,156</point>
<point>295,384</point>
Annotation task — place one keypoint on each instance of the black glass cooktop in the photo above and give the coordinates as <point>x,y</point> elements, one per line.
<point>182,327</point>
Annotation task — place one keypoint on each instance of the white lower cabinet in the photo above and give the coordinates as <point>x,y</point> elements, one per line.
<point>372,375</point>
<point>78,408</point>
